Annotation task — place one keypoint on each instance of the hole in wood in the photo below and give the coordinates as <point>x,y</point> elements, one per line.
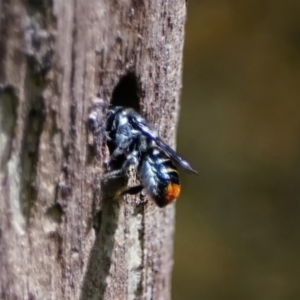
<point>127,92</point>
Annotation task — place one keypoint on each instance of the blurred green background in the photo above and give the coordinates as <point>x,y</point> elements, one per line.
<point>238,222</point>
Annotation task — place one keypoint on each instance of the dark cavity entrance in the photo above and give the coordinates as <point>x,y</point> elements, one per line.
<point>127,92</point>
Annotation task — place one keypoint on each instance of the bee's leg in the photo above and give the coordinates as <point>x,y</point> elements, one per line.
<point>114,174</point>
<point>124,146</point>
<point>133,190</point>
<point>131,161</point>
<point>117,152</point>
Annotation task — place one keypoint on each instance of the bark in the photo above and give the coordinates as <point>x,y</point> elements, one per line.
<point>58,238</point>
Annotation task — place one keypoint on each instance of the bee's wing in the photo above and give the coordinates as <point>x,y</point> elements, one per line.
<point>146,130</point>
<point>174,156</point>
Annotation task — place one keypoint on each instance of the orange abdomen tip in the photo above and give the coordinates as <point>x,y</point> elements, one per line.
<point>172,192</point>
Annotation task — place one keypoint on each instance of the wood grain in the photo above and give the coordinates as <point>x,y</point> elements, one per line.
<point>58,239</point>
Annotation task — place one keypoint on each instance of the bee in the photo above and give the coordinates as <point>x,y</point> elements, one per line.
<point>133,142</point>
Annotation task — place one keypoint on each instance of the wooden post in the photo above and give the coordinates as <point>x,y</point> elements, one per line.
<point>58,239</point>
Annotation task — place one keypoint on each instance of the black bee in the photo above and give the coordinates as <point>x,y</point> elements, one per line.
<point>132,141</point>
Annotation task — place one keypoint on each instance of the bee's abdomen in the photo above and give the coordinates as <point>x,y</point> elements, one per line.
<point>159,176</point>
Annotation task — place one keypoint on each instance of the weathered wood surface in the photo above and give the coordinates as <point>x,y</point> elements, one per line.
<point>55,58</point>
